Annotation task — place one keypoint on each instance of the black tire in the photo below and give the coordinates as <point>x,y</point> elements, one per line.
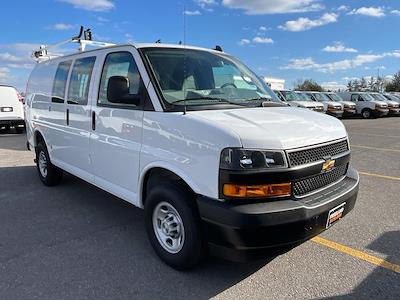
<point>53,175</point>
<point>193,249</point>
<point>7,128</point>
<point>19,130</point>
<point>366,113</point>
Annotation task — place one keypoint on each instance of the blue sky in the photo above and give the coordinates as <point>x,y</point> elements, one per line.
<point>329,41</point>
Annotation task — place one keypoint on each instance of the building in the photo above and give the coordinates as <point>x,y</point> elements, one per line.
<point>275,83</point>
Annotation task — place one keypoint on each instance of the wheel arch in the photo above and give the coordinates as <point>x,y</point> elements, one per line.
<point>166,171</point>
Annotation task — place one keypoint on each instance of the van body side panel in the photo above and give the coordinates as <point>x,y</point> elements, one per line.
<point>187,146</point>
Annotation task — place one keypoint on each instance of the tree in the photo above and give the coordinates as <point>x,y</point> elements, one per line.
<point>394,85</point>
<point>308,85</point>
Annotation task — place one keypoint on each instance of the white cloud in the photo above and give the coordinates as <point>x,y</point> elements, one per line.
<point>339,47</point>
<point>263,28</point>
<point>92,5</point>
<point>9,58</point>
<point>346,64</point>
<point>4,74</point>
<point>343,8</point>
<point>61,26</point>
<point>303,24</point>
<point>396,12</point>
<point>206,4</point>
<point>192,12</point>
<point>376,12</point>
<point>263,40</point>
<point>244,42</point>
<point>259,7</point>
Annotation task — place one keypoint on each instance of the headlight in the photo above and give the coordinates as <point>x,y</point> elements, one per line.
<point>242,159</point>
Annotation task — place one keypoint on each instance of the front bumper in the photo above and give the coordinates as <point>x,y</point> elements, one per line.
<point>256,230</point>
<point>381,112</point>
<point>394,111</point>
<point>349,112</point>
<point>335,113</point>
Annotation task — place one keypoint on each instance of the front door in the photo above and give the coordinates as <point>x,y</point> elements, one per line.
<point>117,130</point>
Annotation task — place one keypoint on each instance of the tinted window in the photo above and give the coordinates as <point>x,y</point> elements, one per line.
<point>119,64</point>
<point>60,82</point>
<point>80,81</point>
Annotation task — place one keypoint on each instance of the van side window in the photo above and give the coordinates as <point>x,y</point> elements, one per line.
<point>60,82</point>
<point>119,64</point>
<point>78,90</point>
<point>354,98</point>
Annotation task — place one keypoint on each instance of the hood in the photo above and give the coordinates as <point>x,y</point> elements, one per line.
<point>348,103</point>
<point>381,103</point>
<point>392,103</point>
<point>334,104</point>
<point>308,103</point>
<point>276,127</point>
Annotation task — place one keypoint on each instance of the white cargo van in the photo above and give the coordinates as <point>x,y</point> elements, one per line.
<point>198,141</point>
<point>294,99</point>
<point>366,105</point>
<point>11,109</point>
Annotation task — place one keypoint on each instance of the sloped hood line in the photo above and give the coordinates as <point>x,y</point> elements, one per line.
<point>280,128</point>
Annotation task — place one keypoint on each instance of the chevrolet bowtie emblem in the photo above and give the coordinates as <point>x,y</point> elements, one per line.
<point>328,165</point>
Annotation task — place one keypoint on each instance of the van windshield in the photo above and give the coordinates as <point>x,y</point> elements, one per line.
<point>378,97</point>
<point>335,97</point>
<point>367,97</point>
<point>198,78</point>
<point>304,96</point>
<point>321,97</point>
<point>291,96</point>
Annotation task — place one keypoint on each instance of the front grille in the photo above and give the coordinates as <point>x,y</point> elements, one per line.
<point>305,186</point>
<point>302,157</point>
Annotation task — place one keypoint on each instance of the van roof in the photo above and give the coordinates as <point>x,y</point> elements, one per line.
<point>137,46</point>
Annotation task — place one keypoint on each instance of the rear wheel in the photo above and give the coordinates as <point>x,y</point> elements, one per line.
<point>173,226</point>
<point>49,174</point>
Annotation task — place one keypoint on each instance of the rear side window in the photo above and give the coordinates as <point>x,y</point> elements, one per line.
<point>78,90</point>
<point>119,64</point>
<point>60,82</point>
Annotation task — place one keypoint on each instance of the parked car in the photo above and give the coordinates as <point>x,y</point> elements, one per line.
<point>294,99</point>
<point>366,105</point>
<point>11,109</point>
<point>331,107</point>
<point>165,128</point>
<point>349,108</point>
<point>394,107</point>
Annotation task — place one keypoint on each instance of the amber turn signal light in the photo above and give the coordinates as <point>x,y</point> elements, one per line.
<point>257,191</point>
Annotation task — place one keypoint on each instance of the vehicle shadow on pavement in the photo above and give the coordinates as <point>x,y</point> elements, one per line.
<point>77,241</point>
<point>9,140</point>
<point>381,283</point>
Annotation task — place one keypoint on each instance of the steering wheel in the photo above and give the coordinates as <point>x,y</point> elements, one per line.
<point>228,84</point>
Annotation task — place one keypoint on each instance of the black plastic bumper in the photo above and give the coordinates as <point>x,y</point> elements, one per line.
<point>257,230</point>
<point>12,122</point>
<point>337,114</point>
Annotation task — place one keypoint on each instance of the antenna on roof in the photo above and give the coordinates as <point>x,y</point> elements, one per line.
<point>218,48</point>
<point>158,41</point>
<point>43,52</point>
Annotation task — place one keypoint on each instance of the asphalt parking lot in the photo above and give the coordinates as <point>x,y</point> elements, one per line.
<point>75,241</point>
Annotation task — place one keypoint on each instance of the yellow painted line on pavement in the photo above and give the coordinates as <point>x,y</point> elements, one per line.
<point>375,148</point>
<point>379,176</point>
<point>357,254</point>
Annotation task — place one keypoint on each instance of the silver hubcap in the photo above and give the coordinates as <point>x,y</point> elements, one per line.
<point>168,227</point>
<point>42,164</point>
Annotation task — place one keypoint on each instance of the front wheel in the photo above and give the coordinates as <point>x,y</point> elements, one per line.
<point>366,113</point>
<point>49,174</point>
<point>173,226</point>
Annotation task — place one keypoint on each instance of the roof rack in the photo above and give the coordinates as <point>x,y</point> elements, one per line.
<point>84,38</point>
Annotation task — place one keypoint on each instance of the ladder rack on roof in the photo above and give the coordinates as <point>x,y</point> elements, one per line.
<point>84,38</point>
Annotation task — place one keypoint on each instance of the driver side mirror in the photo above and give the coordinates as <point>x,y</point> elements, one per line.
<point>118,91</point>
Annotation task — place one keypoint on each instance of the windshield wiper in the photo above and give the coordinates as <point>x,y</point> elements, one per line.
<point>216,100</point>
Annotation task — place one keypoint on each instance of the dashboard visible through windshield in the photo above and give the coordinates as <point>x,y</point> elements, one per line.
<point>202,78</point>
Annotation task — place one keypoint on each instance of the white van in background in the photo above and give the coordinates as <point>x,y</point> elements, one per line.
<point>295,100</point>
<point>11,109</point>
<point>366,105</point>
<point>218,167</point>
